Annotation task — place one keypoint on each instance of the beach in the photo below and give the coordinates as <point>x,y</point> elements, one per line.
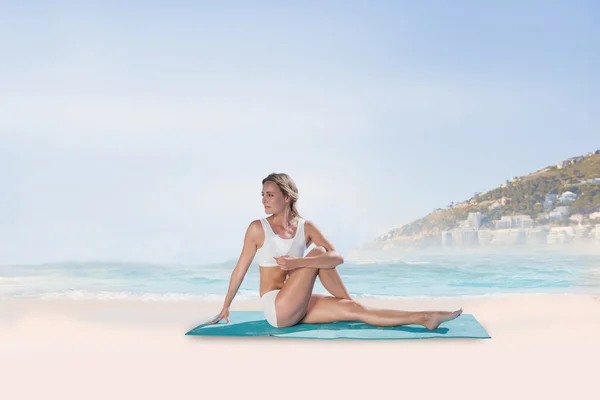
<point>542,346</point>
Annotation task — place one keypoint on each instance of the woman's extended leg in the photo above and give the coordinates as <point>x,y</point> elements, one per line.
<point>296,303</point>
<point>324,309</point>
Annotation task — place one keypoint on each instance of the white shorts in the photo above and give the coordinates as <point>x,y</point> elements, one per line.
<point>268,306</point>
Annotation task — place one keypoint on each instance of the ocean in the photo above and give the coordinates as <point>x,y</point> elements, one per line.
<point>416,276</point>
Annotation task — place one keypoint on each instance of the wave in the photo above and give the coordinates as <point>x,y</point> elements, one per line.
<point>246,295</point>
<point>10,281</point>
<point>225,265</point>
<point>388,262</point>
<point>124,296</point>
<point>465,296</point>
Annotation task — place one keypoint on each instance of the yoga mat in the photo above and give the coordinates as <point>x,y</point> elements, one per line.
<point>253,323</point>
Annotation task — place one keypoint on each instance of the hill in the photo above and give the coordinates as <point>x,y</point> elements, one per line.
<point>573,183</point>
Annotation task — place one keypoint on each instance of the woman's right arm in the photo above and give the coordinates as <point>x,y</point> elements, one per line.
<point>239,272</point>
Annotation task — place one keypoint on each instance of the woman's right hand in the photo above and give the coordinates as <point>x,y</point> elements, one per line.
<point>223,314</point>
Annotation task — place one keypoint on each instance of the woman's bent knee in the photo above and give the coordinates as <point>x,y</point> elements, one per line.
<point>317,251</point>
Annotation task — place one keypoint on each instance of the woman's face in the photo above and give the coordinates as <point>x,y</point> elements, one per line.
<point>272,198</point>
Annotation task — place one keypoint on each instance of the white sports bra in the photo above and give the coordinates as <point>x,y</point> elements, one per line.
<point>275,246</point>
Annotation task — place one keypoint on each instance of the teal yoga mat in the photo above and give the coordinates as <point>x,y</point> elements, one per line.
<point>253,323</point>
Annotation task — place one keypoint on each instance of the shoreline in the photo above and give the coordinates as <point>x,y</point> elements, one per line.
<point>175,298</point>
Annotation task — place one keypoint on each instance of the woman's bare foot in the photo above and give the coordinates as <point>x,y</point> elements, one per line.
<point>435,318</point>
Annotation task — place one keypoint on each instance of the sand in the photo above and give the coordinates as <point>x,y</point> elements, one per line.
<point>542,346</point>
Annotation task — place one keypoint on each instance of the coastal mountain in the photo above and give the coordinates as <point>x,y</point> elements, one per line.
<point>560,195</point>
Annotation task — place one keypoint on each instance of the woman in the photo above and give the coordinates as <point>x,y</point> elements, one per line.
<point>287,276</point>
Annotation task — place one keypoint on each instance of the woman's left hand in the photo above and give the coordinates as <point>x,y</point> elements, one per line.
<point>289,263</point>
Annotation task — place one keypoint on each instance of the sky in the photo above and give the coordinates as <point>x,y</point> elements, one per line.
<point>141,131</point>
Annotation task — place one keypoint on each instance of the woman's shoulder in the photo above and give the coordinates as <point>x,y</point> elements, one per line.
<point>308,224</point>
<point>256,224</point>
<point>255,228</point>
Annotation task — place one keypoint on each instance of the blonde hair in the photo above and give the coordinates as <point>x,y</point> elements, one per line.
<point>288,187</point>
